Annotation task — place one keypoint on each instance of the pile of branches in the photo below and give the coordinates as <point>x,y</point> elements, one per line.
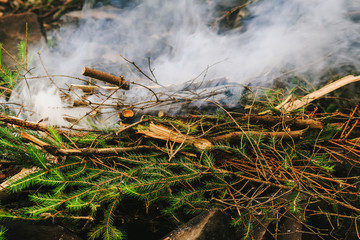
<point>282,172</point>
<point>264,170</point>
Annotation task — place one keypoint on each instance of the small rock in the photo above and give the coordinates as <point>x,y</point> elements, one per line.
<point>210,225</point>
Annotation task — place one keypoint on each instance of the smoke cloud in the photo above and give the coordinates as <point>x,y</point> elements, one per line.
<point>304,36</point>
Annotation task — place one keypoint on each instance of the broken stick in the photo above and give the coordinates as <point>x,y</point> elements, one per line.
<point>166,134</point>
<point>25,124</point>
<point>82,151</point>
<point>291,106</point>
<point>118,81</point>
<point>91,88</point>
<point>274,120</point>
<point>234,136</point>
<point>35,126</point>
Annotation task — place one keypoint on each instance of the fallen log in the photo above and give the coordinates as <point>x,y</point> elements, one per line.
<point>118,81</point>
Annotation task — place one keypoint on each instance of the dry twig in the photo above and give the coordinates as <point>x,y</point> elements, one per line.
<point>236,135</point>
<point>291,106</point>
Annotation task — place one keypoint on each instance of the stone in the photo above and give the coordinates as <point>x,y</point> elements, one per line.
<point>13,30</point>
<point>210,225</point>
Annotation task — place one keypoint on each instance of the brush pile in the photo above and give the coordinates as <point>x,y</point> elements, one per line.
<point>283,172</point>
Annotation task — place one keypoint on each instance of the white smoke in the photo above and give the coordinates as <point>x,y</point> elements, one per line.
<point>304,36</point>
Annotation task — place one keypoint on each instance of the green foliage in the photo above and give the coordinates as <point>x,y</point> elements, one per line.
<point>1,55</point>
<point>3,231</point>
<point>22,53</point>
<point>56,136</point>
<point>245,178</point>
<point>75,185</point>
<point>294,202</point>
<point>9,78</point>
<point>37,156</point>
<point>107,233</point>
<point>12,147</point>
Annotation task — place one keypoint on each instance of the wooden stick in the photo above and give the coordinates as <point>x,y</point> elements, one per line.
<point>103,151</point>
<point>47,147</point>
<point>291,106</point>
<point>91,88</point>
<point>118,81</point>
<point>274,120</point>
<point>264,119</point>
<point>164,133</point>
<point>236,135</point>
<point>82,151</point>
<point>35,126</point>
<point>33,139</point>
<point>25,124</point>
